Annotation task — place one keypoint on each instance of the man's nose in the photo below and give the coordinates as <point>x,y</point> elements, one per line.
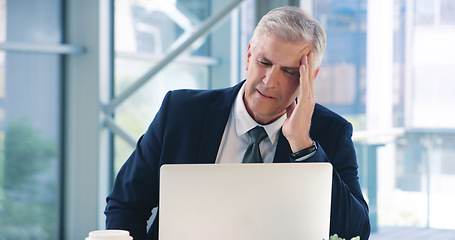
<point>272,76</point>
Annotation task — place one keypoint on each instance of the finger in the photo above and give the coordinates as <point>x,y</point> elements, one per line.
<point>312,73</point>
<point>311,70</point>
<point>305,77</point>
<point>303,67</point>
<point>310,61</point>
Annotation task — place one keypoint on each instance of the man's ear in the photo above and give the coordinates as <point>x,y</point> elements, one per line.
<point>248,55</point>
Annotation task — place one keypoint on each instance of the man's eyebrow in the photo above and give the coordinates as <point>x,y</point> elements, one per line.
<point>291,68</point>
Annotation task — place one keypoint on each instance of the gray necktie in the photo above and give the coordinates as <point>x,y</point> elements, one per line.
<point>252,154</point>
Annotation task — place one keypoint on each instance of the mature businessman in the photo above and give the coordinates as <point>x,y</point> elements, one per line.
<point>213,126</point>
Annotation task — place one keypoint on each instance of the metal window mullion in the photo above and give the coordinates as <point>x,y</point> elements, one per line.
<point>194,60</point>
<point>119,131</point>
<point>41,48</point>
<point>206,27</point>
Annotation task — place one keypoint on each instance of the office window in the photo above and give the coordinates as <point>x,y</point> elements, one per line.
<point>424,12</point>
<point>145,32</point>
<point>447,12</point>
<point>399,63</point>
<point>406,168</point>
<point>30,116</point>
<point>341,81</point>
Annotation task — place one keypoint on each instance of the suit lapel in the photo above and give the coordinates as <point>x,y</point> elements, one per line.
<point>214,125</point>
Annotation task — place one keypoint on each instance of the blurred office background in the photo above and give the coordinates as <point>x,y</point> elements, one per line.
<point>80,80</point>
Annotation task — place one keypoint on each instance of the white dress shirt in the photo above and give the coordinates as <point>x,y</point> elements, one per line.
<point>235,139</point>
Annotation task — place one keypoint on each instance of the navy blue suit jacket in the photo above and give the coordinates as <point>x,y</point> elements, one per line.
<point>188,129</point>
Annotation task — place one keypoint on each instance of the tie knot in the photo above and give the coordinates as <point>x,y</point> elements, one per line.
<point>257,134</point>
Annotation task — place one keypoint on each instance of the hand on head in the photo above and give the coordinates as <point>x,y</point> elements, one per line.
<point>296,128</point>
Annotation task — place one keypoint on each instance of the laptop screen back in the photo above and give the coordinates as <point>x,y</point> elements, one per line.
<point>245,201</point>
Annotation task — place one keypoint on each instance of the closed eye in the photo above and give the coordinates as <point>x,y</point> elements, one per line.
<point>291,71</point>
<point>264,63</point>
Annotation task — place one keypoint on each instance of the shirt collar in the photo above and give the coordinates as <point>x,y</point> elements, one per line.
<point>244,122</point>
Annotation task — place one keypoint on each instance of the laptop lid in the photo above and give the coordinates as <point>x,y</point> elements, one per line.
<point>245,201</point>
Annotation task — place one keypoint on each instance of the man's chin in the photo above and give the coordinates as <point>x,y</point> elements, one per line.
<point>266,117</point>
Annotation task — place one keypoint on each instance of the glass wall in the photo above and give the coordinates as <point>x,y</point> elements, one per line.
<point>145,31</point>
<point>30,117</point>
<point>406,161</point>
<point>341,83</point>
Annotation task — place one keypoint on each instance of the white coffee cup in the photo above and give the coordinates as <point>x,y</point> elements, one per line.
<point>109,235</point>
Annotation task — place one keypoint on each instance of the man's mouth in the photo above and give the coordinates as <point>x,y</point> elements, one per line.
<point>266,96</point>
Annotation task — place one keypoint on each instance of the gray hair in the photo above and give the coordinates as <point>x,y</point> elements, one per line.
<point>294,25</point>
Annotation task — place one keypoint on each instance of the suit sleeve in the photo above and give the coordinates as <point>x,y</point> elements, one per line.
<point>135,191</point>
<point>349,211</point>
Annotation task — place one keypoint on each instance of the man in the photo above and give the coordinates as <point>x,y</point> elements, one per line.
<point>212,126</point>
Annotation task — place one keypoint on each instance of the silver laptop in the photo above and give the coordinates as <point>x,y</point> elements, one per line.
<point>245,201</point>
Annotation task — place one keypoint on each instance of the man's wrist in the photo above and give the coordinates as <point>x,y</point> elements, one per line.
<point>300,142</point>
<point>304,152</point>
